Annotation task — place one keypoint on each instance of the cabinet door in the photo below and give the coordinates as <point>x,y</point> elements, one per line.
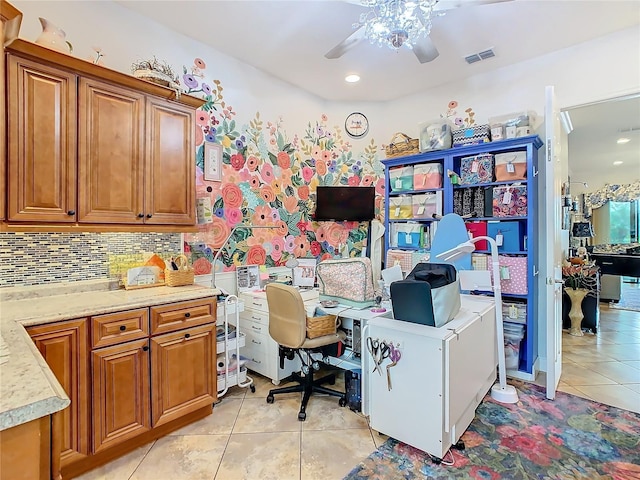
<point>41,142</point>
<point>110,149</point>
<point>64,347</point>
<point>120,387</point>
<point>183,374</point>
<point>170,163</point>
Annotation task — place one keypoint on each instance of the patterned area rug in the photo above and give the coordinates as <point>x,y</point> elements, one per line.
<point>630,298</point>
<point>567,438</point>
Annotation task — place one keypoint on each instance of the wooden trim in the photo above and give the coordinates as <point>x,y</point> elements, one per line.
<point>12,19</point>
<point>95,228</point>
<point>82,67</point>
<point>25,451</point>
<point>100,458</point>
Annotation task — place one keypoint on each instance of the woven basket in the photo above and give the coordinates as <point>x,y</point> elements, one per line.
<point>320,326</point>
<point>402,145</point>
<point>183,276</point>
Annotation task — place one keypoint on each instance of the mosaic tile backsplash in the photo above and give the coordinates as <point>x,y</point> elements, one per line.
<point>40,258</point>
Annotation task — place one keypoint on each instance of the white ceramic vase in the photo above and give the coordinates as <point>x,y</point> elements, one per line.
<point>53,37</point>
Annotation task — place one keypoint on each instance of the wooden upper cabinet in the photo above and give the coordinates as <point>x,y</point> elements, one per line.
<point>64,346</point>
<point>41,142</point>
<point>110,153</point>
<point>170,166</point>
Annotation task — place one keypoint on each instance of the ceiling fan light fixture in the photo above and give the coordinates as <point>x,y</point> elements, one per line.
<point>352,78</point>
<point>394,23</point>
<point>623,140</point>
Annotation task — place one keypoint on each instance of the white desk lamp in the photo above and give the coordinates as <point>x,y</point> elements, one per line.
<point>217,255</point>
<point>500,392</point>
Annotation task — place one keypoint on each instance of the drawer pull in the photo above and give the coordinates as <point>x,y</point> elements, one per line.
<point>187,335</point>
<point>256,328</point>
<point>141,215</point>
<point>145,348</point>
<point>257,343</point>
<point>123,328</point>
<point>255,318</point>
<point>255,361</point>
<point>71,212</point>
<point>187,315</point>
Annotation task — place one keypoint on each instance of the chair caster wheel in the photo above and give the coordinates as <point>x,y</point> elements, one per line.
<point>302,416</point>
<point>305,370</point>
<point>270,399</point>
<point>459,445</point>
<point>253,388</point>
<point>315,366</point>
<point>342,402</point>
<point>332,381</point>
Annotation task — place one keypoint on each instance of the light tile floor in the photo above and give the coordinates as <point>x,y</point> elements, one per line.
<point>247,439</point>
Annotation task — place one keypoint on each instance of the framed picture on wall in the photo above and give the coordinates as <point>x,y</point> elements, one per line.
<point>212,162</point>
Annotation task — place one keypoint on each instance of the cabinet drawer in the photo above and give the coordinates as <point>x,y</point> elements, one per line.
<point>119,327</point>
<point>256,317</point>
<point>176,316</point>
<point>255,341</point>
<point>257,302</point>
<point>256,328</point>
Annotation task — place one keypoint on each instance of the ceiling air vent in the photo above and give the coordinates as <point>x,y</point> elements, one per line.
<point>476,57</point>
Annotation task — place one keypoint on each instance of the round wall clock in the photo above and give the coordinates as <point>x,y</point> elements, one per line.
<point>356,125</point>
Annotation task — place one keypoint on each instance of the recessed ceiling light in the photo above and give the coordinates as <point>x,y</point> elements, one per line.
<point>622,140</point>
<point>353,78</point>
<point>618,162</point>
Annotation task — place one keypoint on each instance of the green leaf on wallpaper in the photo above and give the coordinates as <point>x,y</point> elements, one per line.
<point>273,159</point>
<point>269,262</point>
<point>232,125</point>
<point>296,181</point>
<point>289,191</point>
<point>219,203</point>
<point>327,179</point>
<point>280,141</point>
<point>200,157</point>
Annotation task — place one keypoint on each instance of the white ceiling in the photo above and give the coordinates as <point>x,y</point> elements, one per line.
<point>288,39</point>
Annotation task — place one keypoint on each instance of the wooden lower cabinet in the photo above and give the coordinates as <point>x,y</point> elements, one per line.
<point>183,374</point>
<point>64,346</point>
<point>120,393</point>
<point>25,451</point>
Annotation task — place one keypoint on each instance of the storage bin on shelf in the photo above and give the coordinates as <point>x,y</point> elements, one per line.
<point>510,233</point>
<point>513,335</point>
<point>473,135</point>
<point>476,169</point>
<point>510,200</point>
<point>400,207</point>
<point>427,176</point>
<point>401,179</point>
<point>426,205</point>
<point>511,166</point>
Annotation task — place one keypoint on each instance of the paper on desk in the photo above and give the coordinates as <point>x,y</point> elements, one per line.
<point>392,274</point>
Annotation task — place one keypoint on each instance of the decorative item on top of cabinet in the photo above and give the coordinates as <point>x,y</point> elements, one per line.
<point>53,37</point>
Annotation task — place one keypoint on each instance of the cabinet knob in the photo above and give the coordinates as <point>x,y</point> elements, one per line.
<point>149,215</point>
<point>145,348</point>
<point>71,212</point>
<point>187,335</point>
<point>187,315</point>
<point>123,328</point>
<point>141,215</point>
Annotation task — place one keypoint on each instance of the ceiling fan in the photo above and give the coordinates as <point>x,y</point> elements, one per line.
<point>398,23</point>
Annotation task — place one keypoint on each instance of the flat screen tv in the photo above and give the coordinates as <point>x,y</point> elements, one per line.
<point>343,203</point>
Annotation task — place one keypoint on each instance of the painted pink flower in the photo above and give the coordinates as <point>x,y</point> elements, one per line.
<point>301,246</point>
<point>261,215</point>
<point>199,136</point>
<point>321,167</point>
<point>256,255</point>
<point>267,194</point>
<point>254,182</point>
<point>233,216</point>
<point>198,62</point>
<point>267,173</point>
<point>335,233</point>
<point>201,266</point>
<point>237,161</point>
<point>380,186</point>
<point>326,256</point>
<point>285,178</point>
<point>291,204</point>
<point>353,180</point>
<point>232,195</point>
<point>302,226</point>
<point>277,248</point>
<point>316,154</point>
<point>326,155</point>
<point>368,180</point>
<point>303,192</point>
<point>320,233</point>
<point>252,163</point>
<point>281,229</point>
<point>284,160</point>
<point>289,243</point>
<point>316,248</point>
<point>202,118</point>
<point>307,173</point>
<point>218,231</point>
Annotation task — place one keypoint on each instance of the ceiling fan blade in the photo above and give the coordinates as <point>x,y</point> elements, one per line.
<point>346,45</point>
<point>450,4</point>
<point>425,50</point>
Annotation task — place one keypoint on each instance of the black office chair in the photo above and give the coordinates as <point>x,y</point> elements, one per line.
<point>288,327</point>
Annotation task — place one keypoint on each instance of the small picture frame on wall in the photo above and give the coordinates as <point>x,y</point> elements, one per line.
<point>212,162</point>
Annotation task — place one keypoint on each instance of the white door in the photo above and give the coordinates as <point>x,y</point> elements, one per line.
<point>550,314</point>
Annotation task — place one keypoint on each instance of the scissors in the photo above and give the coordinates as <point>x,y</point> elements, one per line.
<point>379,351</point>
<point>394,354</point>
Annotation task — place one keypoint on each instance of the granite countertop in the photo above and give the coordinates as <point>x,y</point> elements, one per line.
<point>28,388</point>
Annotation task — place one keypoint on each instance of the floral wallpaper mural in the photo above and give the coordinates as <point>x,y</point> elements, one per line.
<point>269,177</point>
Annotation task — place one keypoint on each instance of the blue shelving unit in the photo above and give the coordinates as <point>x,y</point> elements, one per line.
<point>450,161</point>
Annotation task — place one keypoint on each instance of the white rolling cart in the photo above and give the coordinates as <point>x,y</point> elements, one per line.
<point>230,347</point>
